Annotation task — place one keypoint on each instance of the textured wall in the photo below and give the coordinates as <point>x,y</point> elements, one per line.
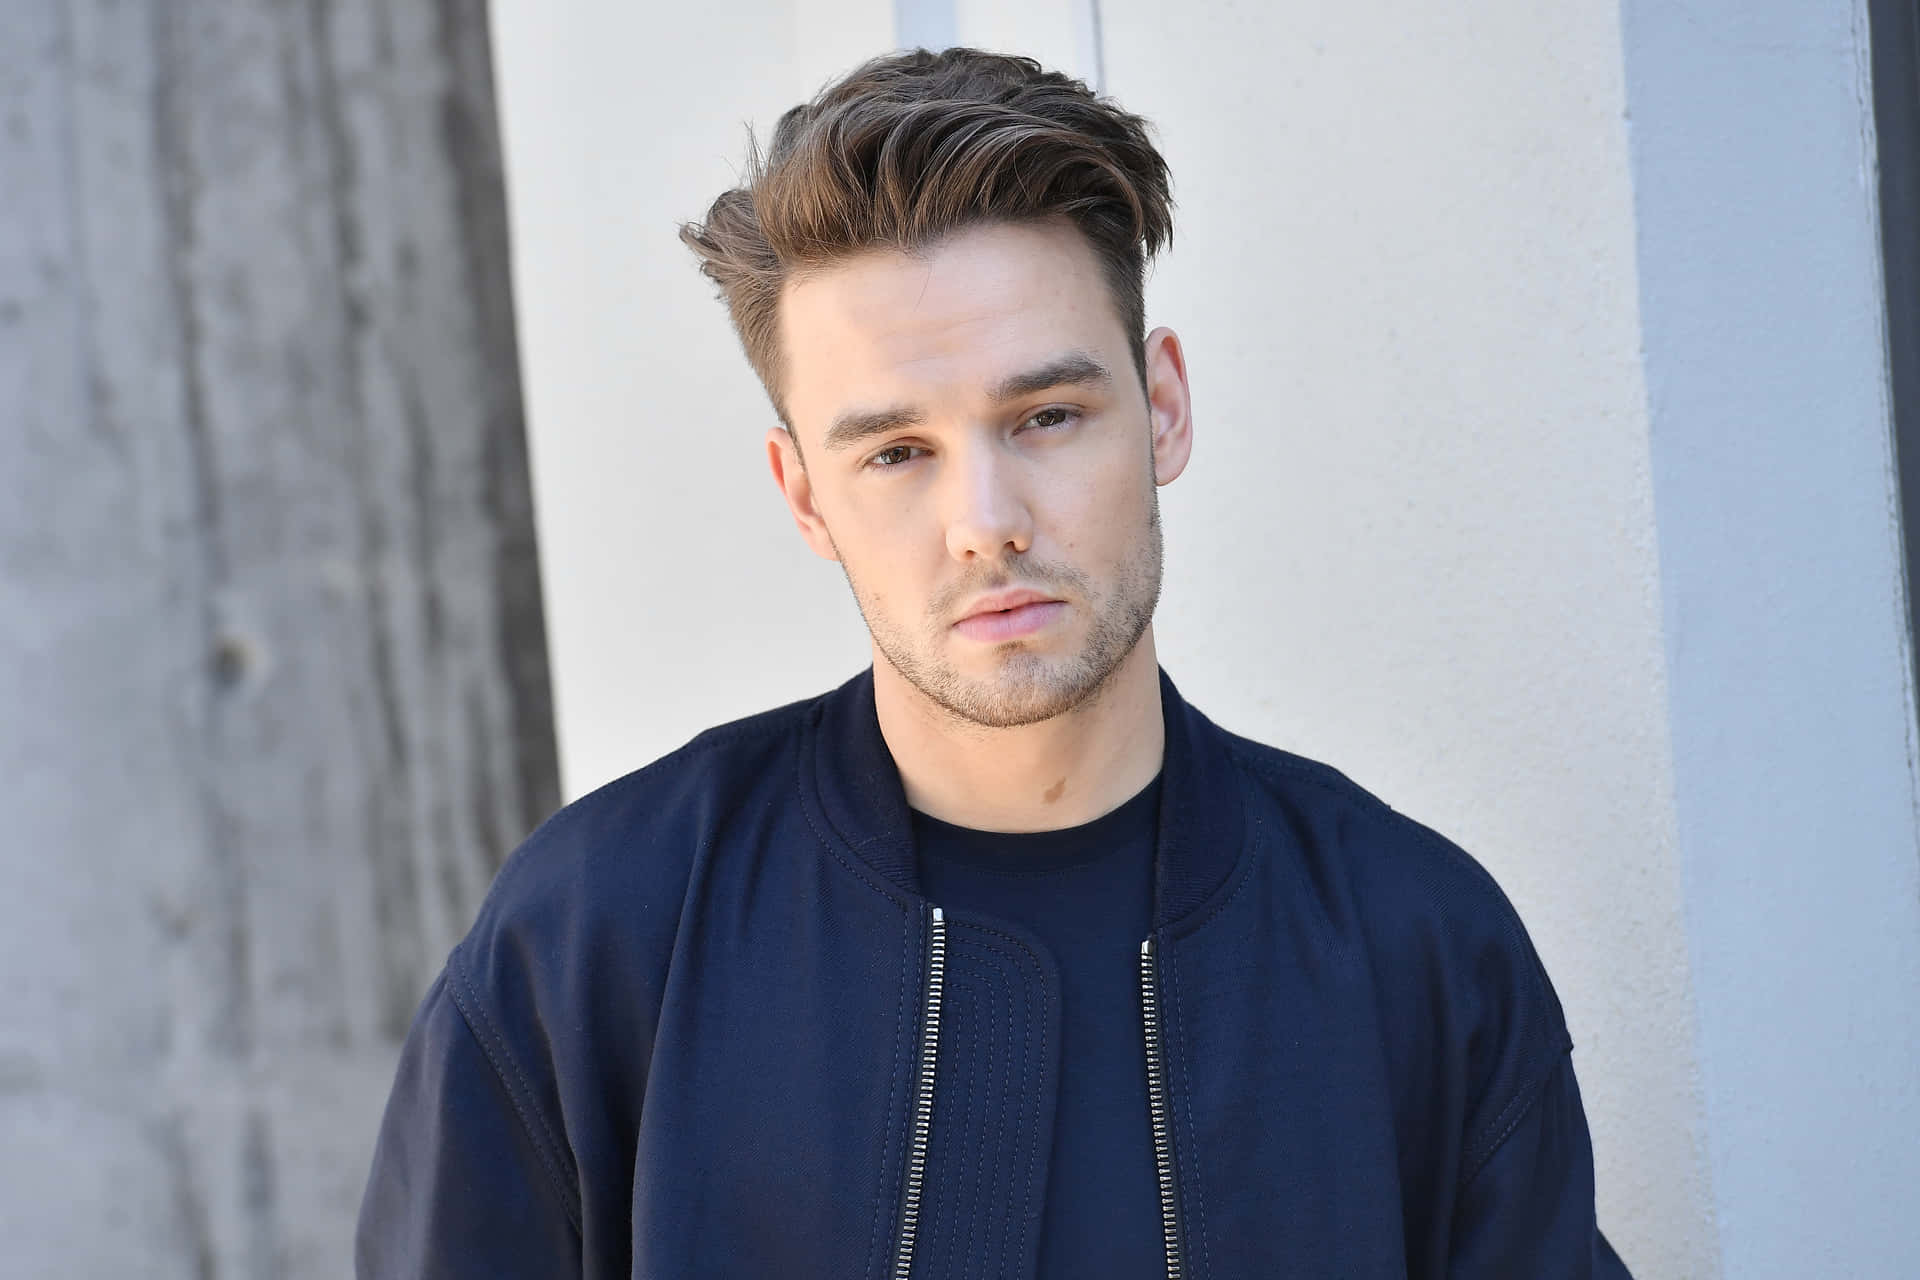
<point>271,666</point>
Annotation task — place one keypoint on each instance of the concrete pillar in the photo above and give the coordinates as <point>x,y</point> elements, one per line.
<point>273,681</point>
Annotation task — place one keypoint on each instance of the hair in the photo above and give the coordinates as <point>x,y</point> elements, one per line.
<point>912,146</point>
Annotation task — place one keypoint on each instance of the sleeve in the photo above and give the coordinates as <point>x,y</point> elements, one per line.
<point>459,1186</point>
<point>1528,1209</point>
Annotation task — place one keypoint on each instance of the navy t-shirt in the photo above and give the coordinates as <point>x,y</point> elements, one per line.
<point>1087,893</point>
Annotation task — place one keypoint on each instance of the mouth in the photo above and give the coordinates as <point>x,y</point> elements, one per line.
<point>1010,615</point>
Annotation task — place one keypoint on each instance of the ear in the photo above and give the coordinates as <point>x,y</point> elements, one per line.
<point>783,456</point>
<point>1169,405</point>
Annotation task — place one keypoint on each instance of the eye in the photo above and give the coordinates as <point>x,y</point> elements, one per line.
<point>1045,421</point>
<point>892,457</point>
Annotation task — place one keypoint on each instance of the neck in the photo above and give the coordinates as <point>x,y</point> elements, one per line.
<point>1035,777</point>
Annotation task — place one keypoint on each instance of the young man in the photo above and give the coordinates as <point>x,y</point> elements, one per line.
<point>1000,959</point>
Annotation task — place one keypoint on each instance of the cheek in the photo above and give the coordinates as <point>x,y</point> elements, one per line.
<point>1095,512</point>
<point>893,546</point>
<point>902,531</point>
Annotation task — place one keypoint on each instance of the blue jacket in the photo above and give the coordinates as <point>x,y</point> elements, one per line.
<point>705,1025</point>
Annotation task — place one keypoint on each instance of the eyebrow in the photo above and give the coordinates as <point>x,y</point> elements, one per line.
<point>1071,369</point>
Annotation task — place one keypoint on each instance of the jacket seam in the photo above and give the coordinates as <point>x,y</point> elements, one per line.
<point>1509,918</point>
<point>1242,876</point>
<point>1003,986</point>
<point>1496,1131</point>
<point>991,1021</point>
<point>727,735</point>
<point>1199,1205</point>
<point>997,987</point>
<point>826,844</point>
<point>1026,1045</point>
<point>1313,775</point>
<point>526,1110</point>
<point>1516,1110</point>
<point>565,817</point>
<point>893,1081</point>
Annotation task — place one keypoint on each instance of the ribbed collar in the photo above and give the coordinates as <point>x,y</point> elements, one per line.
<point>1202,807</point>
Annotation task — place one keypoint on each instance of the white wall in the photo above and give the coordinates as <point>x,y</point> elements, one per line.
<point>1418,537</point>
<point>677,593</point>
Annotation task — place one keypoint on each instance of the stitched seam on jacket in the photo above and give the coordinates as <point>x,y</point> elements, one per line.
<point>1026,1044</point>
<point>493,1046</point>
<point>979,996</point>
<point>1491,1135</point>
<point>1549,1020</point>
<point>937,1215</point>
<point>799,786</point>
<point>565,817</point>
<point>893,1079</point>
<point>1026,1059</point>
<point>1000,982</point>
<point>1515,1111</point>
<point>993,1056</point>
<point>1016,1223</point>
<point>1425,835</point>
<point>1243,876</point>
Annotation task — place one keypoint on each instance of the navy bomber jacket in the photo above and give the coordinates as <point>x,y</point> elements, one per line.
<point>706,1026</point>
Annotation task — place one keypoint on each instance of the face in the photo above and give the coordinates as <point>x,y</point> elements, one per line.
<point>975,449</point>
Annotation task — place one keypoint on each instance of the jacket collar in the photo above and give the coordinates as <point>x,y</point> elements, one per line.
<point>1202,803</point>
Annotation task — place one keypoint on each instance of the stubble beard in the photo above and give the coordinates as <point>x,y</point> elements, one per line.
<point>1028,687</point>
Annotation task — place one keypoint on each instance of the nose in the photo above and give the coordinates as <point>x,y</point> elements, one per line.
<point>987,514</point>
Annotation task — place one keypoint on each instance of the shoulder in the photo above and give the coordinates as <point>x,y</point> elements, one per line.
<point>1457,981</point>
<point>1388,864</point>
<point>574,938</point>
<point>625,850</point>
<point>550,1002</point>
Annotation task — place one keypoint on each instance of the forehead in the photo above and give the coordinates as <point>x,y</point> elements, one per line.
<point>948,322</point>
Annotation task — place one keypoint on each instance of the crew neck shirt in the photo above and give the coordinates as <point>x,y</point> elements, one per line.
<point>1086,893</point>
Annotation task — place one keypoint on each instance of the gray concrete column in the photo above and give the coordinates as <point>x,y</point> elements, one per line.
<point>273,685</point>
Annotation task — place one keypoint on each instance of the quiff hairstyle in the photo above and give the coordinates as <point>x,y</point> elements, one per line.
<point>912,146</point>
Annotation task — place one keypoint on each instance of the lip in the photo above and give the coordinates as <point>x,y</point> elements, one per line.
<point>1001,601</point>
<point>1009,615</point>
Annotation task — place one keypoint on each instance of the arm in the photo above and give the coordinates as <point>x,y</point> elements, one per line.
<point>1527,1209</point>
<point>460,1185</point>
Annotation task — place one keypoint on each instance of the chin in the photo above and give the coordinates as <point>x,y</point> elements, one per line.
<point>1016,687</point>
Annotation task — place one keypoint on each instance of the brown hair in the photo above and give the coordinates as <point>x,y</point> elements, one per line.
<point>911,146</point>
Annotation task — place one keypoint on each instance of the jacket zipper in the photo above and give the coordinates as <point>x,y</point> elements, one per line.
<point>923,1103</point>
<point>923,1097</point>
<point>1157,1112</point>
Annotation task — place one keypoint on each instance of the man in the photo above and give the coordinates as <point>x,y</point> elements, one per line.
<point>1000,959</point>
